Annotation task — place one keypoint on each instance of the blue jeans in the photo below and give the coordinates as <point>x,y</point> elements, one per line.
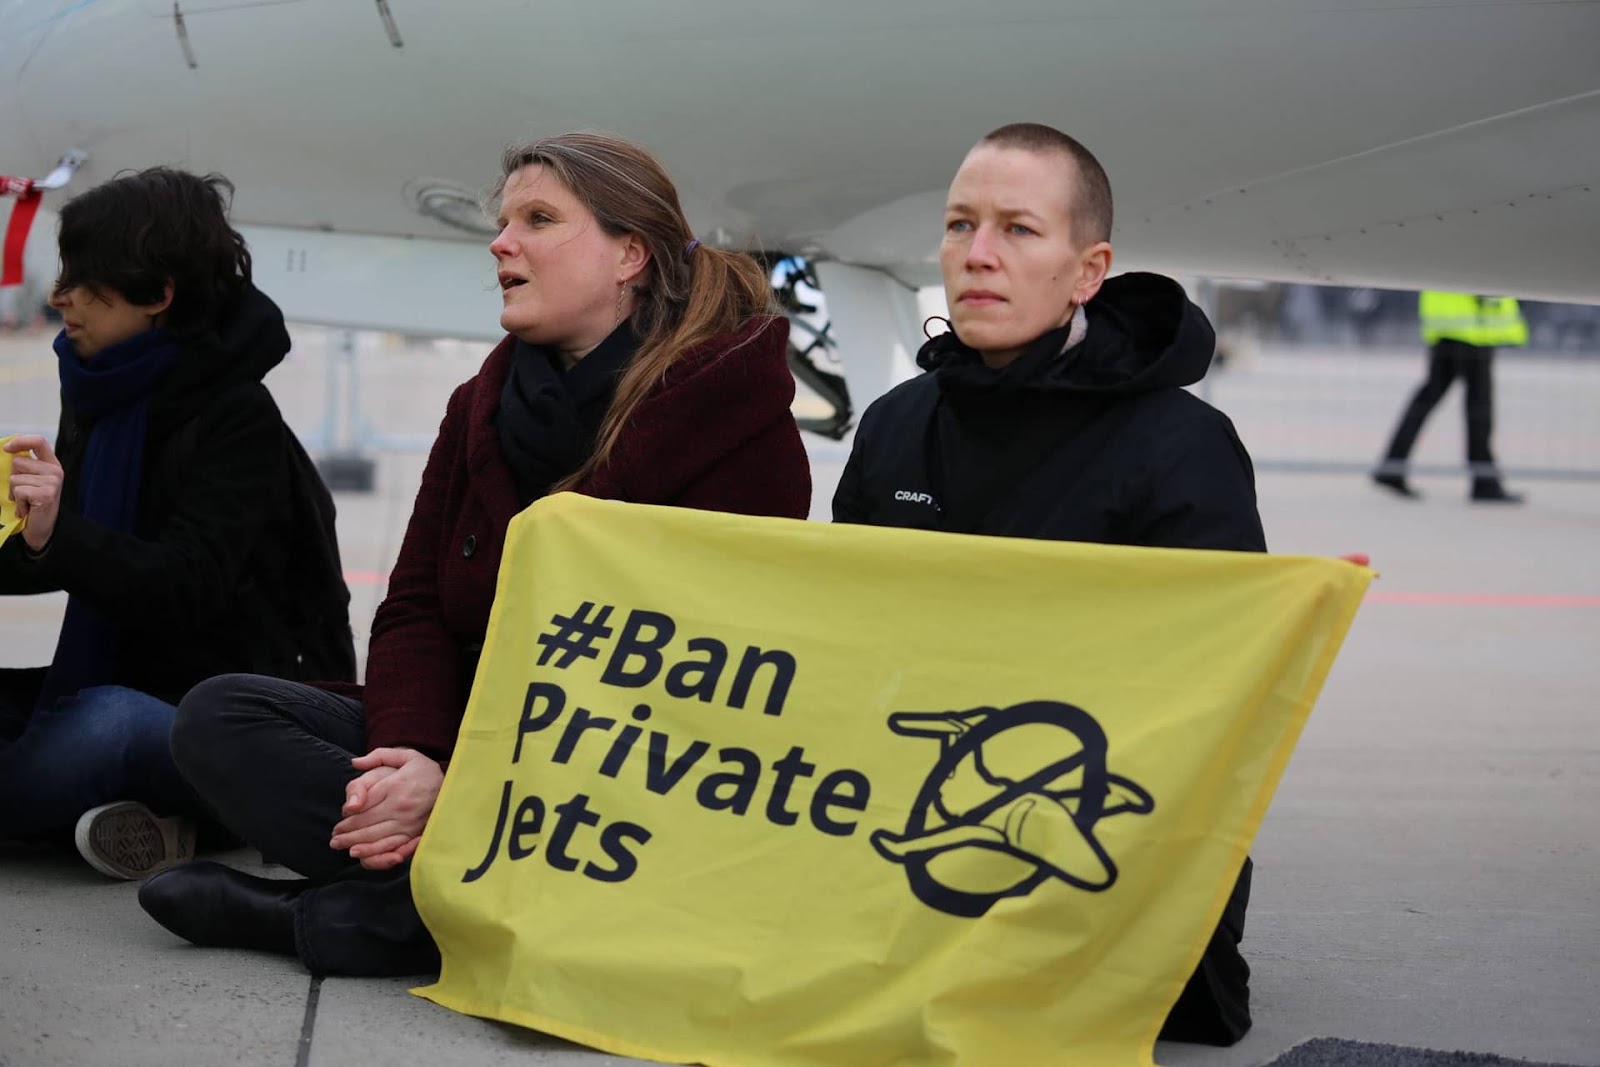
<point>100,745</point>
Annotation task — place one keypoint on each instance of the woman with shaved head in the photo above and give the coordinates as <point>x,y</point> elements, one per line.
<point>1054,408</point>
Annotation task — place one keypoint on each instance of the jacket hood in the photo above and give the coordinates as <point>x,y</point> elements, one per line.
<point>246,344</point>
<point>1143,334</point>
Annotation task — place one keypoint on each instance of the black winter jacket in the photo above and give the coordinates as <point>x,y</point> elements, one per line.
<point>1127,458</point>
<point>1122,454</point>
<point>216,576</point>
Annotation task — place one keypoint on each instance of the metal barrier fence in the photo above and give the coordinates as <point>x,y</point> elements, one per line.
<point>1297,407</point>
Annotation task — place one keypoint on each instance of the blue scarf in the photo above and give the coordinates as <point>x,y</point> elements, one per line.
<point>111,391</point>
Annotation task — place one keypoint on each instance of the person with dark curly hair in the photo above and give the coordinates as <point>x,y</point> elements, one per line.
<point>175,509</point>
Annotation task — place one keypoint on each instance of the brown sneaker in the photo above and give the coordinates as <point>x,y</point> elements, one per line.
<point>127,840</point>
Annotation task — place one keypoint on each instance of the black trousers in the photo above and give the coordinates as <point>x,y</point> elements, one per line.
<point>1214,1007</point>
<point>272,760</point>
<point>1447,361</point>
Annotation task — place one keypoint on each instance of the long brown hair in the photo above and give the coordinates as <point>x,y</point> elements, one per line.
<point>687,296</point>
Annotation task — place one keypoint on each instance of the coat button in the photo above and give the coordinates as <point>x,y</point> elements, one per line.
<point>469,546</point>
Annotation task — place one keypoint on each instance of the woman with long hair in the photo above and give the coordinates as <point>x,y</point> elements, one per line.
<point>640,365</point>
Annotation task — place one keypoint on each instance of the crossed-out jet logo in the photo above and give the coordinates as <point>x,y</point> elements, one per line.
<point>1011,803</point>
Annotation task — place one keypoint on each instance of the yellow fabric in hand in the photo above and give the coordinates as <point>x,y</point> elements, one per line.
<point>757,792</point>
<point>9,522</point>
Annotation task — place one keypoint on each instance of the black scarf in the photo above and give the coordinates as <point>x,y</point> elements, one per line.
<point>549,416</point>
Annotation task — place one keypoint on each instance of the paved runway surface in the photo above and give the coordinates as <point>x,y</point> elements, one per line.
<point>1429,874</point>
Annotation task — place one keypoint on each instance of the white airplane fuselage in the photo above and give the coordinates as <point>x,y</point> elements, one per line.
<point>1404,143</point>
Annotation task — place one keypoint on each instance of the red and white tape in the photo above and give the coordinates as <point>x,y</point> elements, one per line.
<point>27,206</point>
<point>29,193</point>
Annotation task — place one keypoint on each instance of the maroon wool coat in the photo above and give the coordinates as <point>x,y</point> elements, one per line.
<point>716,434</point>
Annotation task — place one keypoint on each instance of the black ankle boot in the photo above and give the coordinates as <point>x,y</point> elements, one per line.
<point>1396,483</point>
<point>1490,491</point>
<point>215,906</point>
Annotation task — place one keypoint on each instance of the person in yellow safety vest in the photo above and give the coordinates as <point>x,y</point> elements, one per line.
<point>1462,331</point>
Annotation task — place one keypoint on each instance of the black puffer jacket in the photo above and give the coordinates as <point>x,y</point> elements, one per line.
<point>1123,455</point>
<point>1118,454</point>
<point>233,565</point>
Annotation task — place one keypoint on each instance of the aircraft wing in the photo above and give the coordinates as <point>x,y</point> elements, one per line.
<point>1401,143</point>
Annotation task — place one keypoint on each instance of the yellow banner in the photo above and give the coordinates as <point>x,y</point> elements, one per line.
<point>750,792</point>
<point>9,523</point>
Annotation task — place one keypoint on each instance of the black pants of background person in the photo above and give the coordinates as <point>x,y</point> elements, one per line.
<point>1214,1007</point>
<point>272,759</point>
<point>1447,361</point>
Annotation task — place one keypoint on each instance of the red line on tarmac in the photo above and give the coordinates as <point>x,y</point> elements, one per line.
<point>1483,600</point>
<point>1376,596</point>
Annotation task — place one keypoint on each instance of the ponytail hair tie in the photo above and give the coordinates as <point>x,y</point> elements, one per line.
<point>690,247</point>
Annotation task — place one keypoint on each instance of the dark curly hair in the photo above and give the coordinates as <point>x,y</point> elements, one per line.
<point>138,231</point>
